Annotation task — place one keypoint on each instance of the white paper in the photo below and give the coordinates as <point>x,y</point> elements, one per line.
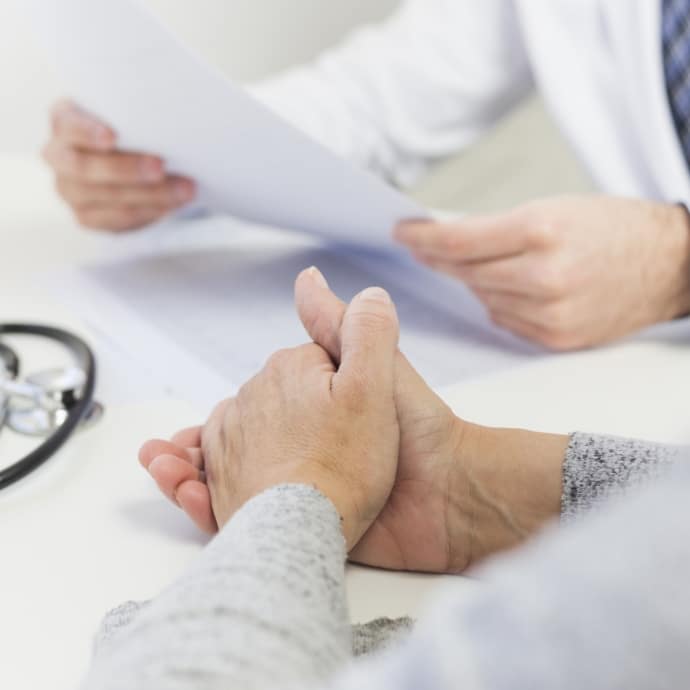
<point>120,63</point>
<point>201,307</point>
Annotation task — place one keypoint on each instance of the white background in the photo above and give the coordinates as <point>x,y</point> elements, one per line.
<point>247,38</point>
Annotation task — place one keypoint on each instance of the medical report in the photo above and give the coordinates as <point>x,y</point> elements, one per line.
<point>120,63</point>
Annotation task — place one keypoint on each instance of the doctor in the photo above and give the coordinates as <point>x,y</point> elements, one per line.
<point>567,272</point>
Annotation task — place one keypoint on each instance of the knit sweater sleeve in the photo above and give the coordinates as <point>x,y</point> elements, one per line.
<point>602,603</point>
<point>597,468</point>
<point>264,606</point>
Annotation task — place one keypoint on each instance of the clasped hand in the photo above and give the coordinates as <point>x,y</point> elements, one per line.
<point>417,488</point>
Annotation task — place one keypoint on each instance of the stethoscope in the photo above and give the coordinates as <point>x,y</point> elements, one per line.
<point>50,405</point>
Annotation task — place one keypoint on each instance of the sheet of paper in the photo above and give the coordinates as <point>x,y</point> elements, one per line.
<point>203,314</point>
<point>121,63</point>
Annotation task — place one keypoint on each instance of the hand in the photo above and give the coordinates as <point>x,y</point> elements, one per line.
<point>304,420</point>
<point>461,492</point>
<point>568,272</point>
<point>106,188</point>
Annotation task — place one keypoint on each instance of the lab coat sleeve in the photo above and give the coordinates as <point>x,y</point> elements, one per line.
<point>422,85</point>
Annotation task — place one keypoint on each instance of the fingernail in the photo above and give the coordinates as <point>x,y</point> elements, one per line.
<point>151,169</point>
<point>318,277</point>
<point>375,294</point>
<point>183,191</point>
<point>153,465</point>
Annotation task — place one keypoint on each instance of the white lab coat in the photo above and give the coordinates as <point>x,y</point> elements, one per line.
<point>439,73</point>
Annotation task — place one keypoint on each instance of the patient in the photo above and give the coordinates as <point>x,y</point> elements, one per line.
<point>338,447</point>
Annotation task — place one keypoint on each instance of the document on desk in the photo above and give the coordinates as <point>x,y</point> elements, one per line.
<point>202,304</point>
<point>120,63</point>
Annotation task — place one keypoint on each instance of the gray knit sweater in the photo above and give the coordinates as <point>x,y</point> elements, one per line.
<point>601,602</point>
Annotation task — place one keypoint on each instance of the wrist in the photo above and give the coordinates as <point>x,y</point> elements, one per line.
<point>350,522</point>
<point>353,524</point>
<point>505,485</point>
<point>677,299</point>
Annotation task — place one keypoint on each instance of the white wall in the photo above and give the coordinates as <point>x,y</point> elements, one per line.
<point>247,38</point>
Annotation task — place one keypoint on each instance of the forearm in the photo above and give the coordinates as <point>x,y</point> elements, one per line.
<point>529,478</point>
<point>504,485</point>
<point>507,484</point>
<point>263,607</point>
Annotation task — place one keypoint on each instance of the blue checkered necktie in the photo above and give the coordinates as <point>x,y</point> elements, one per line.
<point>676,49</point>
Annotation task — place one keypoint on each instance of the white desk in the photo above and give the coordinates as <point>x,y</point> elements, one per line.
<point>89,530</point>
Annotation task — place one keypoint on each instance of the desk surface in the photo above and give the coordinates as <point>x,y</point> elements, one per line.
<point>89,530</point>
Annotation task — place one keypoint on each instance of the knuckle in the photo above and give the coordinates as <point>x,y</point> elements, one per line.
<point>540,234</point>
<point>559,341</point>
<point>80,164</point>
<point>218,417</point>
<point>94,167</point>
<point>452,242</point>
<point>540,226</point>
<point>307,353</point>
<point>123,168</point>
<point>558,333</point>
<point>552,280</point>
<point>557,317</point>
<point>278,360</point>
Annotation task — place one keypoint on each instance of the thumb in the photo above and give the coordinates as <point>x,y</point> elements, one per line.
<point>320,311</point>
<point>369,344</point>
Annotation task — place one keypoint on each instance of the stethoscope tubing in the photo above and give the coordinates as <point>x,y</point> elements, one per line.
<point>9,359</point>
<point>86,360</point>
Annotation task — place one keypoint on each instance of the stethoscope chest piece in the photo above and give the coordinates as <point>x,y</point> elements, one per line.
<point>49,405</point>
<point>42,403</point>
<point>42,423</point>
